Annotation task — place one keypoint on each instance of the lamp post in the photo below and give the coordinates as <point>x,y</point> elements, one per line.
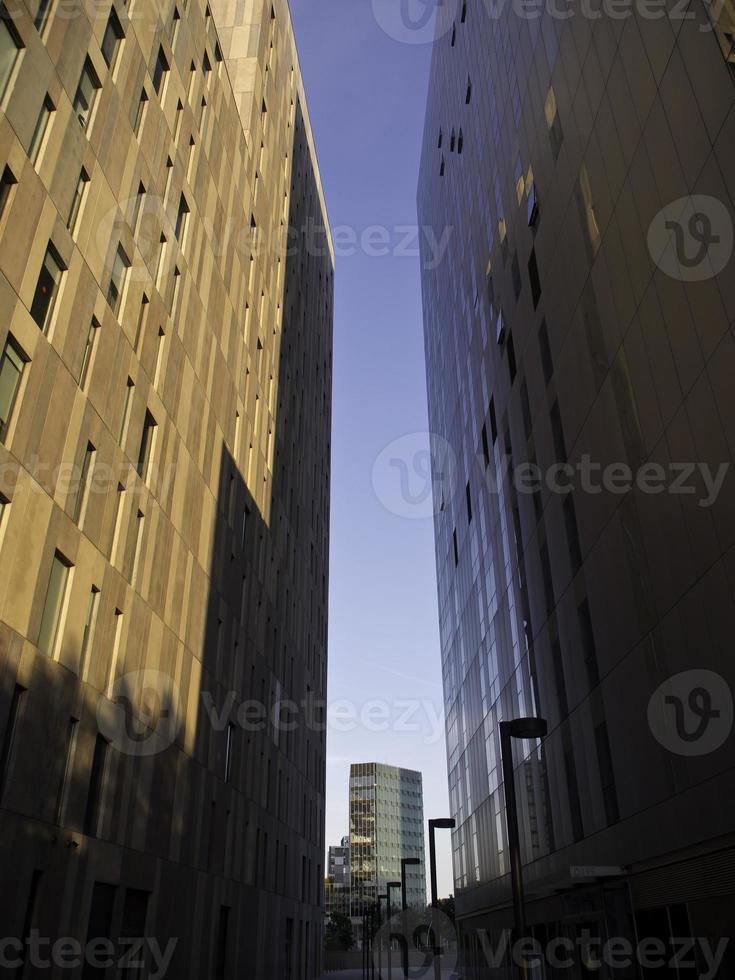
<point>405,863</point>
<point>389,885</point>
<point>531,728</point>
<point>445,823</point>
<point>381,898</point>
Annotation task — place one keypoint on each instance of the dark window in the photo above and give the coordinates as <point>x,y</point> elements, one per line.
<point>140,112</point>
<point>468,95</point>
<point>456,551</point>
<point>526,410</point>
<point>468,495</point>
<point>570,522</point>
<point>485,446</point>
<point>99,925</point>
<point>493,420</point>
<point>10,46</point>
<point>460,141</point>
<point>7,184</point>
<point>548,580</point>
<point>575,808</point>
<point>41,128</point>
<point>12,365</point>
<point>120,265</point>
<point>464,12</point>
<point>71,736</point>
<point>160,69</point>
<point>557,432</point>
<point>146,444</point>
<point>96,787</point>
<point>561,689</point>
<point>114,34</point>
<point>454,35</point>
<point>607,773</point>
<point>54,603</point>
<point>47,288</point>
<point>534,277</point>
<point>547,362</point>
<point>42,13</point>
<point>133,927</point>
<point>86,93</point>
<point>511,358</point>
<point>207,65</point>
<point>220,967</point>
<point>9,738</point>
<point>86,471</point>
<point>441,168</point>
<point>181,217</point>
<point>589,648</point>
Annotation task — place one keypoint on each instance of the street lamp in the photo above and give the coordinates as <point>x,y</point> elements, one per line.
<point>531,728</point>
<point>445,823</point>
<point>389,885</point>
<point>406,862</point>
<point>381,898</point>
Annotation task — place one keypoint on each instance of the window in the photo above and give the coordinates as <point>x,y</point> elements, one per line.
<point>547,361</point>
<point>589,215</point>
<point>468,496</point>
<point>159,356</point>
<point>160,70</point>
<point>146,444</point>
<point>589,648</point>
<point>220,966</point>
<point>38,140</point>
<point>468,95</point>
<point>515,273</point>
<point>7,188</point>
<point>553,123</point>
<point>53,606</point>
<point>441,168</point>
<point>133,928</point>
<point>77,200</point>
<point>493,421</point>
<point>89,627</point>
<point>138,206</point>
<point>11,371</point>
<point>85,472</point>
<point>71,740</point>
<point>47,288</point>
<point>120,265</point>
<point>139,525</point>
<point>207,65</point>
<point>125,420</point>
<point>175,26</point>
<point>570,523</point>
<point>96,787</point>
<point>456,549</point>
<point>140,112</point>
<point>722,19</point>
<point>10,48</point>
<point>228,751</point>
<point>181,218</point>
<point>607,773</point>
<point>557,432</point>
<point>460,142</point>
<point>511,358</point>
<point>112,39</point>
<point>89,346</point>
<point>41,18</point>
<point>86,94</point>
<point>454,35</point>
<point>9,738</point>
<point>534,277</point>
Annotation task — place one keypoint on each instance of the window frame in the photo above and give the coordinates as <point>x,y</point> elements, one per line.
<point>12,343</point>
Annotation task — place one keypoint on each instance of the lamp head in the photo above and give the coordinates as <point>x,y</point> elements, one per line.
<point>444,823</point>
<point>527,727</point>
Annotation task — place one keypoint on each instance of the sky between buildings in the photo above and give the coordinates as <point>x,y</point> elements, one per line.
<point>366,89</point>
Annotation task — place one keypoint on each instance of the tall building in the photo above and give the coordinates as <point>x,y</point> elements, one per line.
<point>338,879</point>
<point>386,825</point>
<point>562,328</point>
<point>166,280</point>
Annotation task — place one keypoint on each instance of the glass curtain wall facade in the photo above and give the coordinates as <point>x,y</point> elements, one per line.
<point>558,333</point>
<point>386,825</point>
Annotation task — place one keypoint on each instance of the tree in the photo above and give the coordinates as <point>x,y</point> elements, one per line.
<point>338,934</point>
<point>446,905</point>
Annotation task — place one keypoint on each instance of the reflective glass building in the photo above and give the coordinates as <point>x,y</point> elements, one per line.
<point>578,339</point>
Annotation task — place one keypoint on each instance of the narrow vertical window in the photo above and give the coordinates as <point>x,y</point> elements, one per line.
<point>160,71</point>
<point>11,45</point>
<point>511,358</point>
<point>589,214</point>
<point>141,319</point>
<point>112,39</point>
<point>89,349</point>
<point>547,361</point>
<point>8,183</point>
<point>139,525</point>
<point>12,365</point>
<point>10,736</point>
<point>78,200</point>
<point>120,265</point>
<point>534,278</point>
<point>90,624</point>
<point>159,356</point>
<point>175,26</point>
<point>117,643</point>
<point>48,635</point>
<point>117,527</point>
<point>42,14</point>
<point>138,207</point>
<point>127,406</point>
<point>161,259</point>
<point>41,130</point>
<point>70,747</point>
<point>175,290</point>
<point>96,789</point>
<point>140,112</point>
<point>47,288</point>
<point>228,751</point>
<point>468,94</point>
<point>181,218</point>
<point>86,94</point>
<point>553,123</point>
<point>220,966</point>
<point>85,479</point>
<point>146,445</point>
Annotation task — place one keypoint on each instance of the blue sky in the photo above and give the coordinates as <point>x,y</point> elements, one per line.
<point>366,91</point>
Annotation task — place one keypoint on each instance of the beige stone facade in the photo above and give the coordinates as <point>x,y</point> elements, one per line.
<point>166,280</point>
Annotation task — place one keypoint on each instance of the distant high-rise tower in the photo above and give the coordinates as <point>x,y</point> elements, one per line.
<point>580,362</point>
<point>166,283</point>
<point>337,897</point>
<point>386,825</point>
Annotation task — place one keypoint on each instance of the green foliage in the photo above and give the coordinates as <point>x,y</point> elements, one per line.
<point>338,934</point>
